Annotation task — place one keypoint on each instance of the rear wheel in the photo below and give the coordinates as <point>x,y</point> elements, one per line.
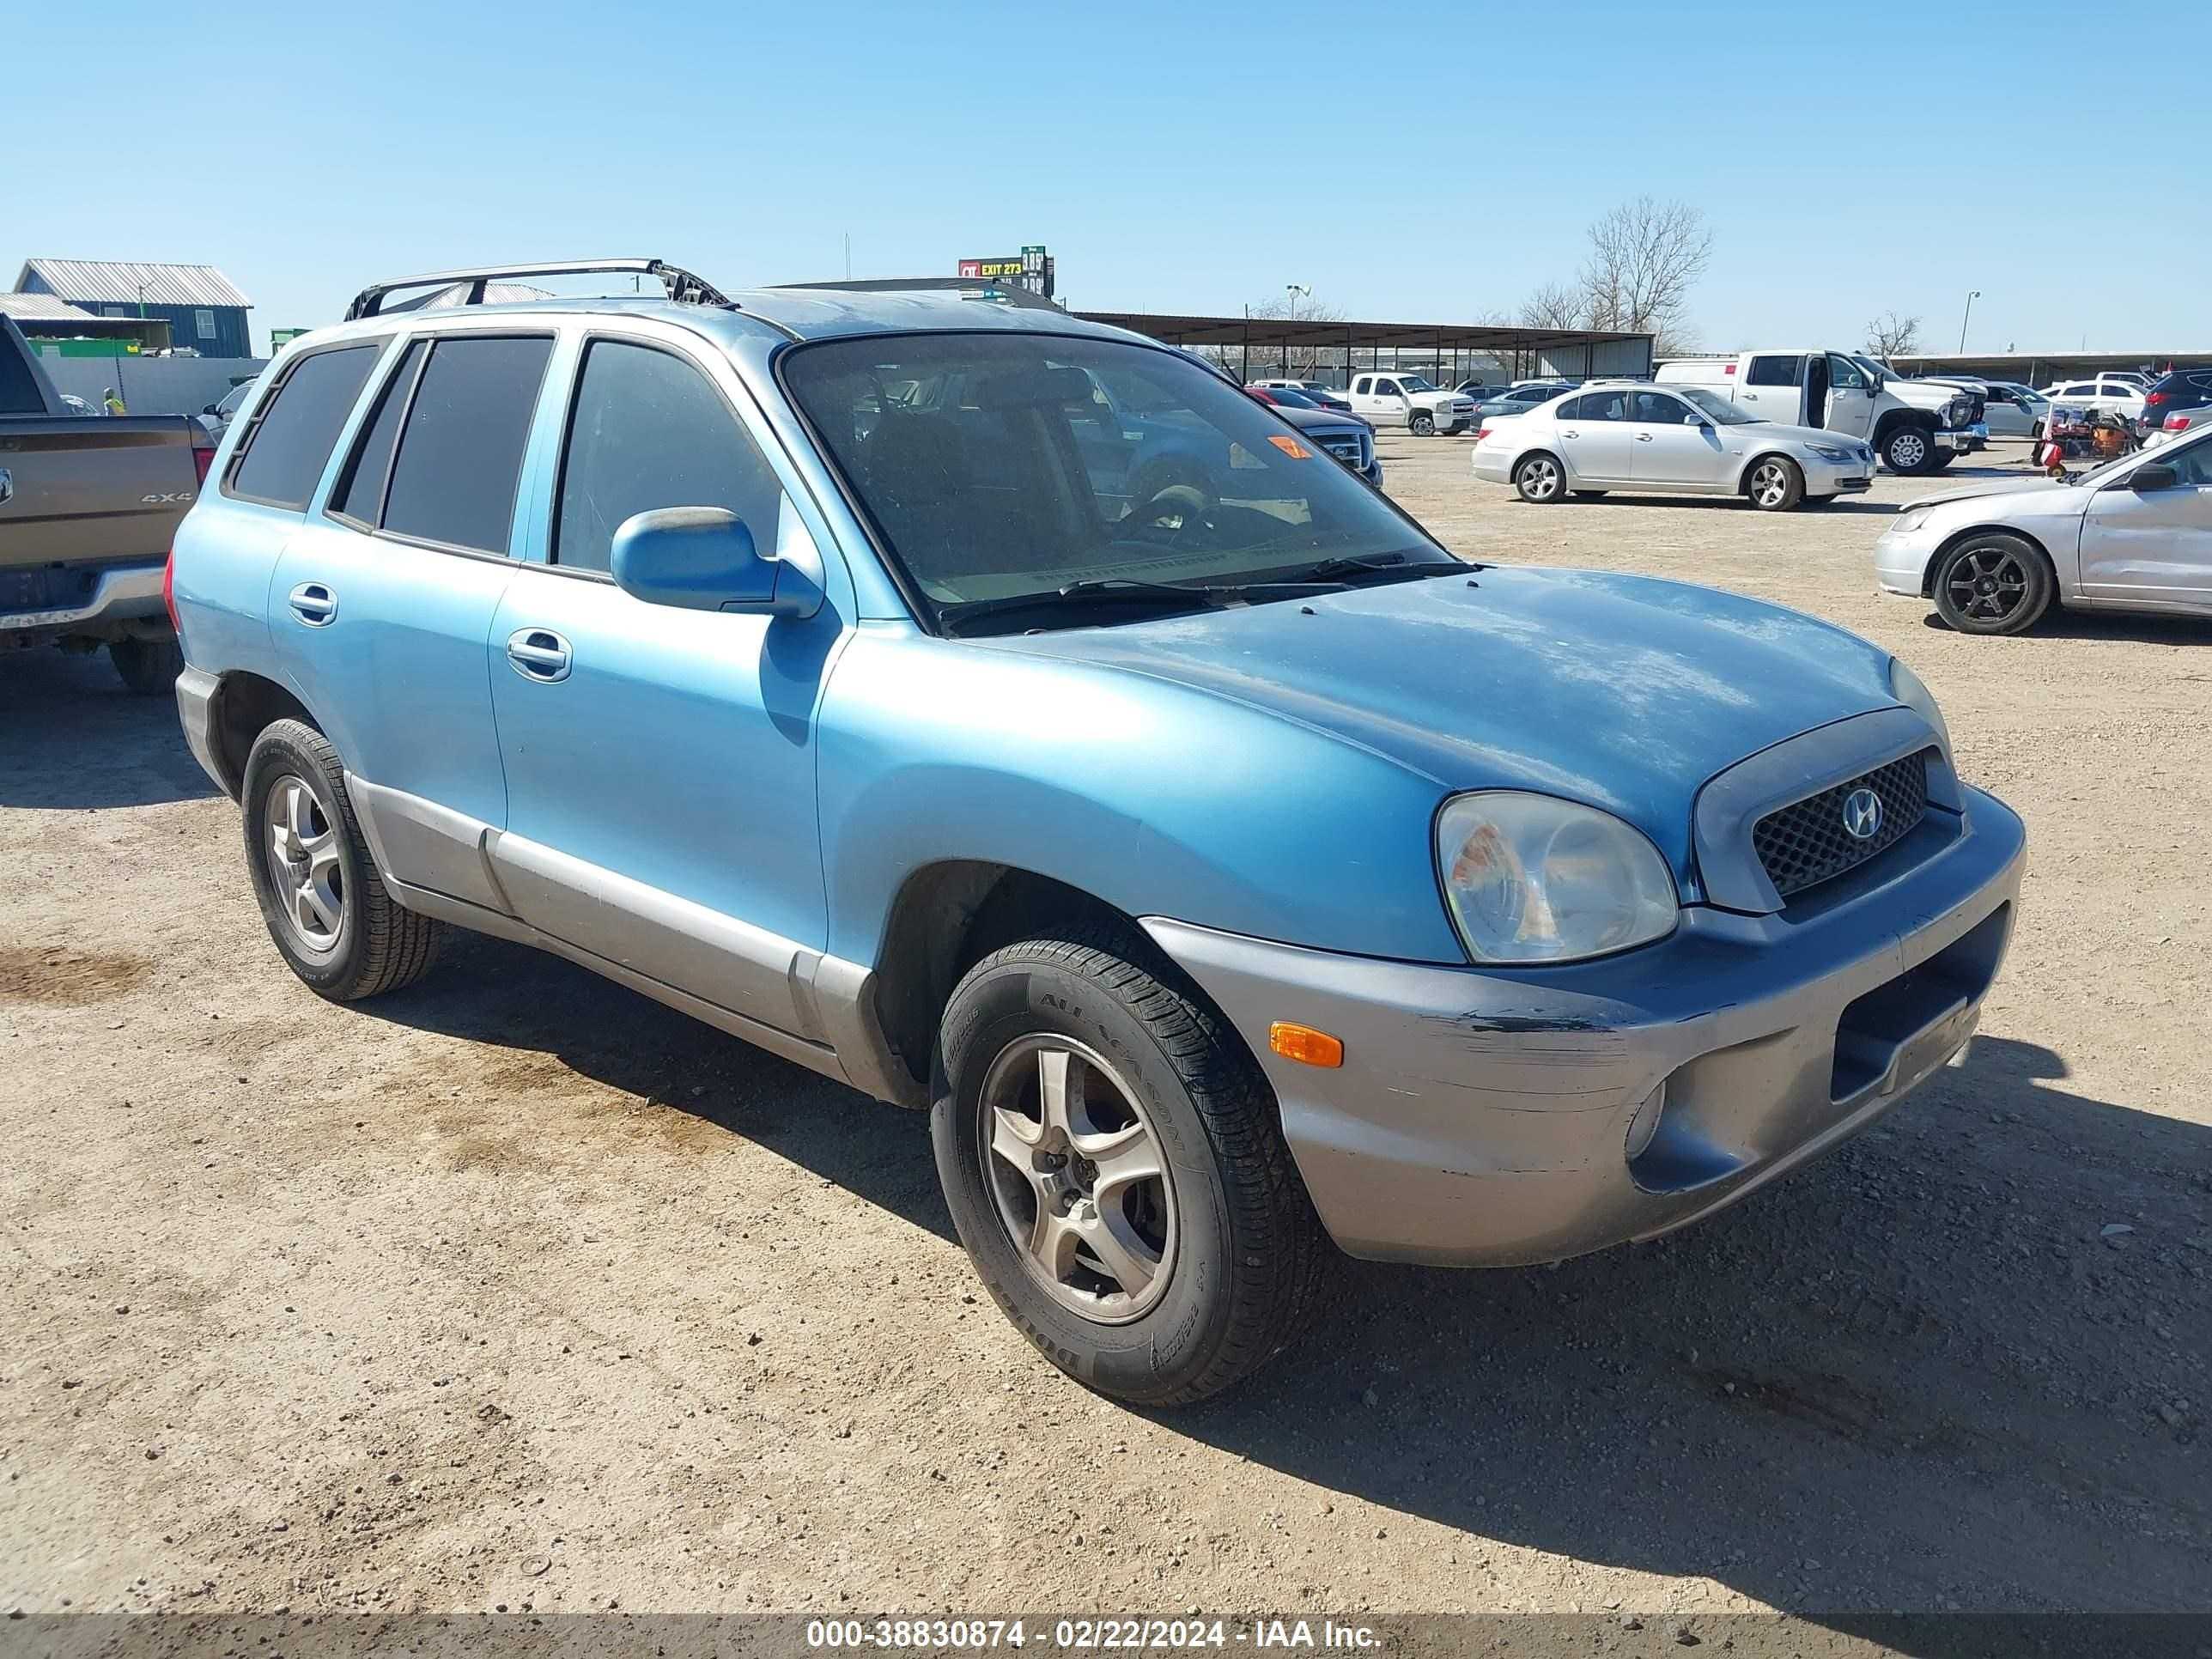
<point>1538,479</point>
<point>1993,583</point>
<point>1112,1158</point>
<point>325,906</point>
<point>149,667</point>
<point>1776,484</point>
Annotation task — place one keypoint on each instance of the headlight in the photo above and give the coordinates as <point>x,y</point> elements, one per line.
<point>1532,878</point>
<point>1958,410</point>
<point>1904,685</point>
<point>1909,521</point>
<point>1833,451</point>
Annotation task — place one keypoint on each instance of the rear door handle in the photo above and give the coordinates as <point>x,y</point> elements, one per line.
<point>314,605</point>
<point>538,654</point>
<point>1571,433</point>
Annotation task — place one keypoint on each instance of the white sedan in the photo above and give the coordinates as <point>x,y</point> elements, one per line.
<point>1630,435</point>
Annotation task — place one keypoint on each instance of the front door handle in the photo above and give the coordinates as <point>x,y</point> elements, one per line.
<point>1571,433</point>
<point>314,605</point>
<point>1643,437</point>
<point>538,654</point>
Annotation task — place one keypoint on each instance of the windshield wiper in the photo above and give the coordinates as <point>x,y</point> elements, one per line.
<point>1395,564</point>
<point>1097,590</point>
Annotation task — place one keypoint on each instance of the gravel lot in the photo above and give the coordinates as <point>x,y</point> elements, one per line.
<point>519,1290</point>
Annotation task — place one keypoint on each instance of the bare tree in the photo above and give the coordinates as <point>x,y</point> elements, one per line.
<point>1298,362</point>
<point>1892,336</point>
<point>1645,257</point>
<point>1555,305</point>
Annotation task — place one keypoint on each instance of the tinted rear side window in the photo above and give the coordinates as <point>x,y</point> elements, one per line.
<point>18,392</point>
<point>461,455</point>
<point>651,431</point>
<point>1776,371</point>
<point>359,494</point>
<point>293,431</point>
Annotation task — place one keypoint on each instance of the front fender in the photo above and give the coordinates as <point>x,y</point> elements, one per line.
<point>1157,798</point>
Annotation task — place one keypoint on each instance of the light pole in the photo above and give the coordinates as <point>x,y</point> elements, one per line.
<point>1294,289</point>
<point>1972,294</point>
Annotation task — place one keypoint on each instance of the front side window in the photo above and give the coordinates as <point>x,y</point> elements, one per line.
<point>999,485</point>
<point>1719,409</point>
<point>281,458</point>
<point>460,455</point>
<point>1386,388</point>
<point>649,430</point>
<point>1844,373</point>
<point>1776,370</point>
<point>2191,463</point>
<point>1657,408</point>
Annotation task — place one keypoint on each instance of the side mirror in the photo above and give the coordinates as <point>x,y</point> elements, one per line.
<point>211,409</point>
<point>703,558</point>
<point>2154,475</point>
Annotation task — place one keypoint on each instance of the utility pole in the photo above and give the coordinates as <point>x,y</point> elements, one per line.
<point>1972,294</point>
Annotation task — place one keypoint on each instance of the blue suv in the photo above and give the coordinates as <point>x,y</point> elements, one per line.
<point>1007,716</point>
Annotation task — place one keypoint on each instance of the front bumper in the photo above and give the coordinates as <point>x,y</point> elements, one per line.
<point>1480,1117</point>
<point>1901,560</point>
<point>1824,477</point>
<point>1965,439</point>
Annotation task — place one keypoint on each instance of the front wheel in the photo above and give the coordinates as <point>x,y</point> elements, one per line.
<point>1776,484</point>
<point>1993,583</point>
<point>1422,424</point>
<point>1540,480</point>
<point>149,667</point>
<point>1908,451</point>
<point>1113,1162</point>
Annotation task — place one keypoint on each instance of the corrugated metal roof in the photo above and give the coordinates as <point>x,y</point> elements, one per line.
<point>110,281</point>
<point>43,308</point>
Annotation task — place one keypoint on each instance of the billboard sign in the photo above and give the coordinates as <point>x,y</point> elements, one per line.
<point>1031,268</point>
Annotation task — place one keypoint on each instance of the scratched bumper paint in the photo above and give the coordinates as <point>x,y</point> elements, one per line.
<point>1480,1116</point>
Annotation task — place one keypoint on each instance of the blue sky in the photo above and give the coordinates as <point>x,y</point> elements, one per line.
<point>1417,162</point>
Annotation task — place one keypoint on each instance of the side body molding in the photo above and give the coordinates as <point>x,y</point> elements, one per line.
<point>817,1011</point>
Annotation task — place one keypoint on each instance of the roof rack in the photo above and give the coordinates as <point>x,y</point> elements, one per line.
<point>682,286</point>
<point>978,288</point>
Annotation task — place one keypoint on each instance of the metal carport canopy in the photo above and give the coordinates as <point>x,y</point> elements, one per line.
<point>1268,332</point>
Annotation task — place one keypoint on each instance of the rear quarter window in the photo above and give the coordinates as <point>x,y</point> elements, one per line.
<point>460,459</point>
<point>282,456</point>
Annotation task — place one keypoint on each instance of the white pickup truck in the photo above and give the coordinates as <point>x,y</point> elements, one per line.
<point>1411,401</point>
<point>1915,426</point>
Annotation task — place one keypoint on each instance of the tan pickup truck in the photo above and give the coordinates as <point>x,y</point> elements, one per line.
<point>87,506</point>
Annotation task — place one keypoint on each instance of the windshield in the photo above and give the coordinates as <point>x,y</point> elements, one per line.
<point>1416,383</point>
<point>1722,412</point>
<point>1001,466</point>
<point>1874,368</point>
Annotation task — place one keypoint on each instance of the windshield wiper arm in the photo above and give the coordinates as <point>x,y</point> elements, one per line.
<point>1097,590</point>
<point>1396,563</point>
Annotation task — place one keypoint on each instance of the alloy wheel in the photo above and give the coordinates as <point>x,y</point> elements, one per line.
<point>1769,484</point>
<point>1986,584</point>
<point>1907,450</point>
<point>1540,480</point>
<point>1079,1178</point>
<point>304,870</point>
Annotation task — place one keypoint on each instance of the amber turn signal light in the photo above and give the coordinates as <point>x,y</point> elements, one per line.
<point>1305,1044</point>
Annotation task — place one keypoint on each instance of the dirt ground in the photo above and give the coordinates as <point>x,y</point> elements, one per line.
<point>519,1290</point>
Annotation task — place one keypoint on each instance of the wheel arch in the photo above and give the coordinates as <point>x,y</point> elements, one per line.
<point>1944,548</point>
<point>1773,452</point>
<point>246,705</point>
<point>1894,418</point>
<point>950,914</point>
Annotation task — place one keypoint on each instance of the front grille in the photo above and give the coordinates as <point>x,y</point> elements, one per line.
<point>1345,446</point>
<point>1806,843</point>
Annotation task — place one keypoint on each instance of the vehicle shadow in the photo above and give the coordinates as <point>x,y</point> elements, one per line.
<point>2144,628</point>
<point>1916,1374</point>
<point>495,992</point>
<point>73,738</point>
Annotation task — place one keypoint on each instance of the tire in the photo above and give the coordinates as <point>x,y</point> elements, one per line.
<point>1421,424</point>
<point>1942,459</point>
<point>1232,1253</point>
<point>1993,582</point>
<point>149,667</point>
<point>1775,484</point>
<point>331,919</point>
<point>1540,479</point>
<point>2035,433</point>
<point>1908,451</point>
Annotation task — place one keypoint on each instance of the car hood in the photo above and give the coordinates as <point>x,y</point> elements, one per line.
<point>2037,498</point>
<point>1320,419</point>
<point>1624,692</point>
<point>1796,435</point>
